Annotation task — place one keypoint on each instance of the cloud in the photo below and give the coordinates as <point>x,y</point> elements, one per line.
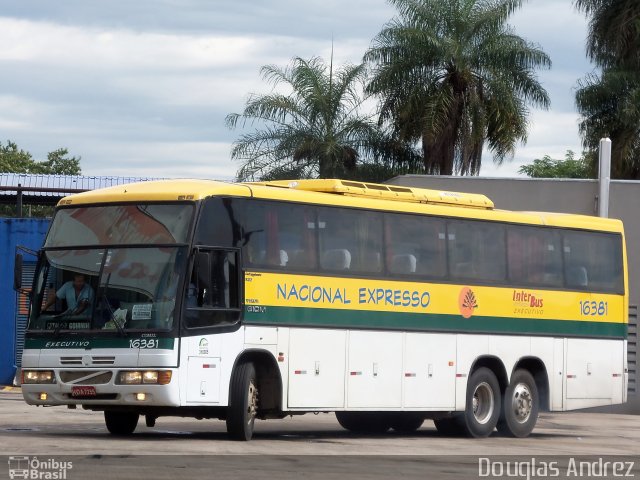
<point>144,86</point>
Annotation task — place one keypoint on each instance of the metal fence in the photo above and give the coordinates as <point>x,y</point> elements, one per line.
<point>22,310</point>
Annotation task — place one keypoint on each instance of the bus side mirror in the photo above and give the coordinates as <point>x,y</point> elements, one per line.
<point>17,272</point>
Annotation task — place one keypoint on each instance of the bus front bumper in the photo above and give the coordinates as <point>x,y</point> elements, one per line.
<point>110,393</point>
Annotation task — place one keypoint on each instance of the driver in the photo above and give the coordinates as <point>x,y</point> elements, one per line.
<point>77,293</point>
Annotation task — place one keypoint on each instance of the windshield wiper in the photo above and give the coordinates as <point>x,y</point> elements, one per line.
<point>121,330</point>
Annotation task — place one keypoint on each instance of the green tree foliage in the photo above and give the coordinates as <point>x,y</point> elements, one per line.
<point>314,129</point>
<point>610,107</point>
<point>454,76</point>
<point>17,160</point>
<point>609,102</point>
<point>569,167</point>
<point>614,32</point>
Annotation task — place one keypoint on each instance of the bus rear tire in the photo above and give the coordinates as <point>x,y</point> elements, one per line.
<point>121,423</point>
<point>482,410</point>
<point>243,402</point>
<point>520,406</point>
<point>364,422</point>
<point>403,422</point>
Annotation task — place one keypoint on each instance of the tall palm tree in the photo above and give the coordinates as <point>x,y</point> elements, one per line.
<point>610,107</point>
<point>454,76</point>
<point>609,102</point>
<point>314,129</point>
<point>614,31</point>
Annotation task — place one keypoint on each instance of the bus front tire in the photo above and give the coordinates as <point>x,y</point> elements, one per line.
<point>121,423</point>
<point>364,422</point>
<point>243,402</point>
<point>482,410</point>
<point>521,405</point>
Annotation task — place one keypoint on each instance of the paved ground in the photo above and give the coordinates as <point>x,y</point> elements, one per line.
<point>28,430</point>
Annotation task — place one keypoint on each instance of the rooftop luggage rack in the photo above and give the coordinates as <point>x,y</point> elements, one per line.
<point>385,192</point>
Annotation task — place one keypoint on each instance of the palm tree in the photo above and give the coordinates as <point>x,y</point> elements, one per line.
<point>610,107</point>
<point>614,31</point>
<point>453,75</point>
<point>314,129</point>
<point>609,102</point>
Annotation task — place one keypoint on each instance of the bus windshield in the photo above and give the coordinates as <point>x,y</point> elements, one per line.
<point>141,224</point>
<point>115,267</point>
<point>108,288</point>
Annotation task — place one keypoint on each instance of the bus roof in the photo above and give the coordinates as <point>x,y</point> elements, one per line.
<point>339,193</point>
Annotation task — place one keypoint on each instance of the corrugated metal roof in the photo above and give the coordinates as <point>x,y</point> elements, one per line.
<point>70,183</point>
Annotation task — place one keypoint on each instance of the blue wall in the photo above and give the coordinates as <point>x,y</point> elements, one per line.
<point>27,232</point>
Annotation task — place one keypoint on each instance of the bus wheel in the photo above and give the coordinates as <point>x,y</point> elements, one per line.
<point>120,423</point>
<point>521,406</point>
<point>403,422</point>
<point>364,422</point>
<point>482,410</point>
<point>243,402</point>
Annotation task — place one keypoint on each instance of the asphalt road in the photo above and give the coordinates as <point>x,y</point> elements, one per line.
<point>58,432</point>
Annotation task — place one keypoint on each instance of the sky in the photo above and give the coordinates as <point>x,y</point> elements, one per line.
<point>142,88</point>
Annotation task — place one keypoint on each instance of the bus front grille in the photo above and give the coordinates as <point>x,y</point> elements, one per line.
<point>70,361</point>
<point>103,360</point>
<point>75,376</point>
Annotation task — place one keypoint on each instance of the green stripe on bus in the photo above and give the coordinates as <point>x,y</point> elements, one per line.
<point>325,317</point>
<point>71,343</point>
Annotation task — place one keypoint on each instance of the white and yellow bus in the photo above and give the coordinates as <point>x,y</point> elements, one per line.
<point>384,304</point>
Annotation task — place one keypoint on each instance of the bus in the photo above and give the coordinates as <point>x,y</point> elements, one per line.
<point>385,304</point>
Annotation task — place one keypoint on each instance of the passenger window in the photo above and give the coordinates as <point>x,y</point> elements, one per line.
<point>476,251</point>
<point>593,261</point>
<point>416,245</point>
<point>280,236</point>
<point>212,294</point>
<point>535,256</point>
<point>350,240</point>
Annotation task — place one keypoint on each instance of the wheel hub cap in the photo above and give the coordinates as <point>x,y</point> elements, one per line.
<point>483,403</point>
<point>252,402</point>
<point>521,402</point>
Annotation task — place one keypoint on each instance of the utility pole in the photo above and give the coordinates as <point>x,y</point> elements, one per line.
<point>19,201</point>
<point>604,176</point>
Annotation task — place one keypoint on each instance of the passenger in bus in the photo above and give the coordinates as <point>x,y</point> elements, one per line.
<point>77,293</point>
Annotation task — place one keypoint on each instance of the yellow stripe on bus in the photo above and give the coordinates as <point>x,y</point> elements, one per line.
<point>340,293</point>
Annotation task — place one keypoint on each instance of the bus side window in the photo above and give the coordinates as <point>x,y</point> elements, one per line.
<point>593,261</point>
<point>212,295</point>
<point>477,251</point>
<point>350,240</point>
<point>416,245</point>
<point>279,236</point>
<point>535,256</point>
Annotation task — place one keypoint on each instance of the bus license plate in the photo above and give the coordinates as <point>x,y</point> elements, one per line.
<point>83,391</point>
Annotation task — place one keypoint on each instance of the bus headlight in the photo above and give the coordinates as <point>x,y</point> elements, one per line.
<point>38,376</point>
<point>148,377</point>
<point>130,378</point>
